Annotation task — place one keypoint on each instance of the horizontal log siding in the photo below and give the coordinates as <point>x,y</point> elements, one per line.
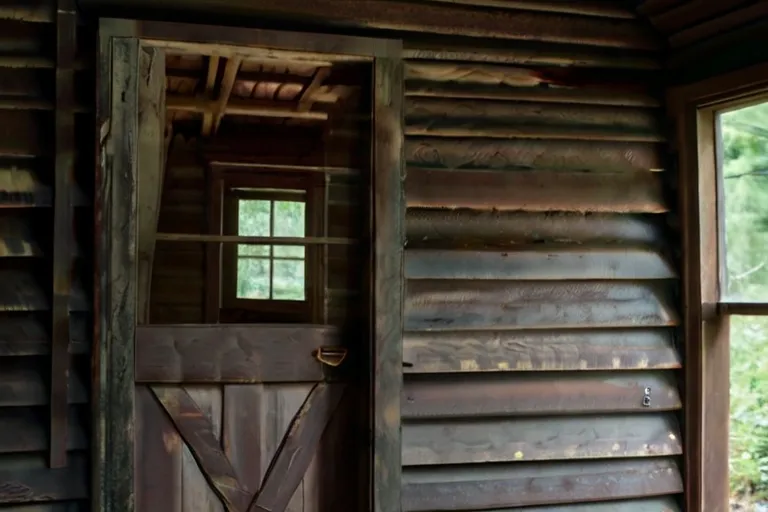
<point>541,295</point>
<point>32,152</point>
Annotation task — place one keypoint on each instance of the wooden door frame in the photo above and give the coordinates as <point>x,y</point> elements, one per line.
<point>120,45</point>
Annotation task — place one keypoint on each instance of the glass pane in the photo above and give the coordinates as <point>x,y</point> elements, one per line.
<point>253,250</point>
<point>252,278</point>
<point>748,438</point>
<point>289,251</point>
<point>289,218</point>
<point>288,280</point>
<point>745,191</point>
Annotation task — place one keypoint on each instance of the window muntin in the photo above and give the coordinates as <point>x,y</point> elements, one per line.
<point>271,272</point>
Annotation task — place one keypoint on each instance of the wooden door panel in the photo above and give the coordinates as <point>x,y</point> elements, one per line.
<point>233,448</point>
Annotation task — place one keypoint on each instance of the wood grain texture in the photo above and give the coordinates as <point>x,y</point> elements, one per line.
<point>196,429</point>
<point>63,229</point>
<point>628,120</point>
<point>496,395</point>
<point>24,383</point>
<point>297,449</point>
<point>465,49</point>
<point>628,97</point>
<point>538,439</point>
<point>527,155</point>
<point>231,353</point>
<point>582,349</point>
<point>538,263</point>
<point>422,17</point>
<point>388,239</point>
<point>158,452</point>
<point>152,160</point>
<point>476,487</point>
<point>241,434</point>
<point>584,8</point>
<point>457,228</point>
<point>539,191</point>
<point>23,430</point>
<point>447,305</point>
<point>197,494</point>
<point>661,504</point>
<point>115,295</point>
<point>27,478</point>
<point>28,336</point>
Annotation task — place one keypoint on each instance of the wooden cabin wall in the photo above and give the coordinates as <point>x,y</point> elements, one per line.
<point>46,231</point>
<point>541,285</point>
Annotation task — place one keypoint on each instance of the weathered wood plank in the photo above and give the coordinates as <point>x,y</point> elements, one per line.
<point>527,155</point>
<point>230,353</point>
<point>502,129</point>
<point>151,167</point>
<point>538,263</point>
<point>584,8</point>
<point>63,233</point>
<point>115,295</point>
<point>501,92</point>
<point>467,305</point>
<point>279,408</point>
<point>530,76</point>
<point>22,383</point>
<point>27,478</point>
<point>439,111</point>
<point>537,439</point>
<point>662,504</point>
<point>197,494</point>
<point>242,433</point>
<point>298,448</point>
<point>476,487</point>
<point>407,16</point>
<point>386,287</point>
<point>28,336</point>
<point>492,51</point>
<point>491,351</point>
<point>456,228</point>
<point>494,395</point>
<point>22,134</point>
<point>23,430</point>
<point>196,430</point>
<point>540,191</point>
<point>17,239</point>
<point>158,457</point>
<point>30,11</point>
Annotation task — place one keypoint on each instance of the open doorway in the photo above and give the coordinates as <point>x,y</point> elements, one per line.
<point>252,233</point>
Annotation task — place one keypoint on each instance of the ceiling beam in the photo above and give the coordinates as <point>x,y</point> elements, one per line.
<point>210,84</point>
<point>227,83</point>
<point>241,107</point>
<point>305,99</point>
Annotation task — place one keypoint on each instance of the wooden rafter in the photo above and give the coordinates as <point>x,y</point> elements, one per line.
<point>236,106</point>
<point>210,83</point>
<point>227,83</point>
<point>306,96</point>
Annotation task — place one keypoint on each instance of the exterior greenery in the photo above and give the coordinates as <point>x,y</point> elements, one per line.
<point>745,188</point>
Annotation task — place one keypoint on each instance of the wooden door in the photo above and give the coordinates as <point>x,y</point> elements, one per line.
<point>230,418</point>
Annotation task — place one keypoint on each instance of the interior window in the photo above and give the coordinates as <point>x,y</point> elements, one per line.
<point>271,272</point>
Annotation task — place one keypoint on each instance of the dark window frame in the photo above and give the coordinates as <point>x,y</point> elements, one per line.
<point>226,182</point>
<point>706,319</point>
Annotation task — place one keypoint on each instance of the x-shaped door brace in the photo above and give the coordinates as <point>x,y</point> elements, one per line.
<point>288,466</point>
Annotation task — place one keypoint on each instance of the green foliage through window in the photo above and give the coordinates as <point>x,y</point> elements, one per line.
<point>273,272</point>
<point>745,192</point>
